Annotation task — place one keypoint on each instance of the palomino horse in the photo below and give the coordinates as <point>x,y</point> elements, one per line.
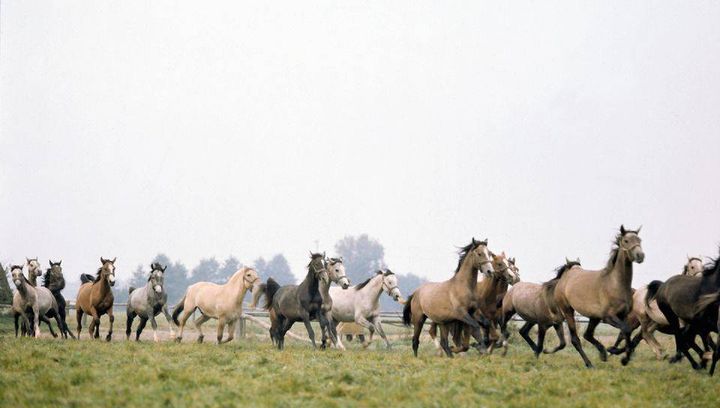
<point>693,300</point>
<point>147,302</point>
<point>451,300</point>
<point>535,303</point>
<point>222,302</point>
<point>95,298</point>
<point>604,295</point>
<point>34,301</point>
<point>54,281</point>
<point>360,304</point>
<point>294,303</point>
<point>489,292</point>
<point>649,317</point>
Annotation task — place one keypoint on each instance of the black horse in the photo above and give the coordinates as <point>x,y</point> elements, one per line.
<point>294,303</point>
<point>696,302</point>
<point>54,281</point>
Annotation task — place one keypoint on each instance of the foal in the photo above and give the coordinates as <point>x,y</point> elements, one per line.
<point>147,302</point>
<point>95,298</point>
<point>604,295</point>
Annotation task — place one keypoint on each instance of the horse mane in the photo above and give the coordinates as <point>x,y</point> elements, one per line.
<point>615,250</point>
<point>464,251</point>
<point>314,256</point>
<point>362,285</point>
<point>711,267</point>
<point>333,261</point>
<point>388,272</point>
<point>560,270</point>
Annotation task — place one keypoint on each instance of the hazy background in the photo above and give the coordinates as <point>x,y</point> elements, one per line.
<point>251,128</point>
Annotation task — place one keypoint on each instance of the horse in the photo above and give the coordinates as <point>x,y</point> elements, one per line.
<point>693,300</point>
<point>489,293</point>
<point>54,281</point>
<point>603,295</point>
<point>451,300</point>
<point>535,304</point>
<point>294,303</point>
<point>221,302</point>
<point>31,300</point>
<point>360,304</point>
<point>649,317</point>
<point>34,271</point>
<point>95,298</point>
<point>336,273</point>
<point>147,302</point>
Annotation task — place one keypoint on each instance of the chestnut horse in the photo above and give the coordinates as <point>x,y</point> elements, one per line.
<point>95,298</point>
<point>451,300</point>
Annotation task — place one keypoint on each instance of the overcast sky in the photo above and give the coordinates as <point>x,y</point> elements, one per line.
<point>254,128</point>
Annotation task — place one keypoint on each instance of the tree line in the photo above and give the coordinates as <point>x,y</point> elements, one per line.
<point>362,257</point>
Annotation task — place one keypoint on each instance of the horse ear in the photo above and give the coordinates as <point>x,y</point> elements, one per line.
<point>114,259</point>
<point>577,260</point>
<point>639,228</point>
<point>102,260</point>
<point>473,241</point>
<point>503,254</point>
<point>311,254</point>
<point>27,259</point>
<point>622,229</point>
<point>164,267</point>
<point>567,261</point>
<point>324,256</point>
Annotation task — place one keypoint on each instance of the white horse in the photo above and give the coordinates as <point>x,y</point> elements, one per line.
<point>360,304</point>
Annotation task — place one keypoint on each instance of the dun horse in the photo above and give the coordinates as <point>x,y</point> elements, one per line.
<point>147,302</point>
<point>95,298</point>
<point>451,300</point>
<point>535,303</point>
<point>360,304</point>
<point>297,303</point>
<point>602,296</point>
<point>222,302</point>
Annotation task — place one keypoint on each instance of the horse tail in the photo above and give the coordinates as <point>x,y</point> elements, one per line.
<point>271,287</point>
<point>87,278</point>
<point>407,311</point>
<point>705,301</point>
<point>652,290</point>
<point>178,309</point>
<point>130,289</point>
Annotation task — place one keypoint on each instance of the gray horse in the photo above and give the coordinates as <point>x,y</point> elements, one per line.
<point>147,302</point>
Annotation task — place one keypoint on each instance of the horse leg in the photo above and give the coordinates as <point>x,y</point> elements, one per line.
<point>78,316</point>
<point>376,321</point>
<point>16,316</point>
<point>141,327</point>
<point>183,320</point>
<point>366,324</point>
<point>417,330</point>
<point>646,332</point>
<point>308,327</point>
<point>542,329</point>
<point>341,346</point>
<point>615,348</point>
<point>153,323</point>
<point>432,331</point>
<point>569,315</point>
<point>112,320</point>
<point>220,329</point>
<point>525,333</point>
<point>128,325</point>
<point>590,336</point>
<point>680,345</point>
<point>444,331</point>
<point>169,320</point>
<point>198,325</point>
<point>716,353</point>
<point>231,330</point>
<point>561,337</point>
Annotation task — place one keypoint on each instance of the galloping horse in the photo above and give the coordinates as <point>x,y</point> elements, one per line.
<point>222,302</point>
<point>37,302</point>
<point>54,281</point>
<point>649,317</point>
<point>693,300</point>
<point>360,304</point>
<point>535,303</point>
<point>451,300</point>
<point>147,302</point>
<point>35,271</point>
<point>603,295</point>
<point>336,273</point>
<point>95,298</point>
<point>294,303</point>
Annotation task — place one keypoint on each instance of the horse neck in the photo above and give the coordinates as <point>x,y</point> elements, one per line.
<point>488,288</point>
<point>467,275</point>
<point>32,277</point>
<point>104,285</point>
<point>24,288</point>
<point>310,282</point>
<point>236,286</point>
<point>324,289</point>
<point>621,273</point>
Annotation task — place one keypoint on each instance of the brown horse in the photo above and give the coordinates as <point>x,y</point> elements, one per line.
<point>95,298</point>
<point>489,293</point>
<point>451,300</point>
<point>602,296</point>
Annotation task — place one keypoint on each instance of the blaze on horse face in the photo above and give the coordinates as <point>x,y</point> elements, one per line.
<point>630,242</point>
<point>157,277</point>
<point>483,258</point>
<point>108,270</point>
<point>16,271</point>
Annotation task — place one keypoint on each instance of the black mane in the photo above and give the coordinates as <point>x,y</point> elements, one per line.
<point>560,270</point>
<point>464,251</point>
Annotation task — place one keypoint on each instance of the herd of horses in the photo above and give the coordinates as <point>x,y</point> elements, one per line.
<point>477,302</point>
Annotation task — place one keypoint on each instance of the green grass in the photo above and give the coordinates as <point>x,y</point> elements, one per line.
<point>250,372</point>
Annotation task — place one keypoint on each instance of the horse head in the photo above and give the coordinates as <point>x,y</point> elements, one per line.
<point>34,268</point>
<point>477,253</point>
<point>157,277</point>
<point>693,267</point>
<point>390,284</point>
<point>318,269</point>
<point>630,242</point>
<point>16,271</point>
<point>107,270</point>
<point>502,268</point>
<point>336,271</point>
<point>514,271</point>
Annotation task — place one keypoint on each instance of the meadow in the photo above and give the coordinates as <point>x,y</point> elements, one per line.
<point>250,372</point>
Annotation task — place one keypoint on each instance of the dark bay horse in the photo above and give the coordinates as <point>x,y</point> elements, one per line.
<point>450,301</point>
<point>95,298</point>
<point>696,302</point>
<point>604,295</point>
<point>54,281</point>
<point>297,303</point>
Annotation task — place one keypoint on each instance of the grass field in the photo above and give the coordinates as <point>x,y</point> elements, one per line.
<point>249,372</point>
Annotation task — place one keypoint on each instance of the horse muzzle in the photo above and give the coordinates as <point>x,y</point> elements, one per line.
<point>639,256</point>
<point>17,282</point>
<point>158,288</point>
<point>344,283</point>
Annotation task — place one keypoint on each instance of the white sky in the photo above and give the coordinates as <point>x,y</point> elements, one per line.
<point>252,128</point>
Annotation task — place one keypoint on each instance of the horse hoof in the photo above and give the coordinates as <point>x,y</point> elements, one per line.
<point>178,339</point>
<point>589,365</point>
<point>108,338</point>
<point>675,359</point>
<point>625,361</point>
<point>200,339</point>
<point>603,357</point>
